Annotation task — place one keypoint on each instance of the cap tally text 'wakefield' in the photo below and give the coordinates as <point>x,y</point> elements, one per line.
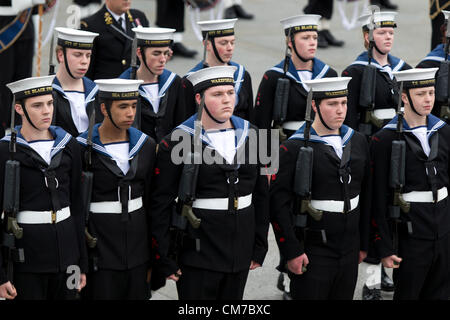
<point>328,88</point>
<point>212,76</point>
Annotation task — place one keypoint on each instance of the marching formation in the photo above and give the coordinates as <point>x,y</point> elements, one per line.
<point>120,175</point>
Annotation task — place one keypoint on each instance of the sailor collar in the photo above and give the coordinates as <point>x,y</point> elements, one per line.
<point>238,76</point>
<point>61,138</point>
<point>433,125</point>
<point>437,54</point>
<point>90,89</point>
<point>395,63</point>
<point>165,80</point>
<point>345,132</point>
<point>137,140</point>
<point>318,72</point>
<point>240,125</point>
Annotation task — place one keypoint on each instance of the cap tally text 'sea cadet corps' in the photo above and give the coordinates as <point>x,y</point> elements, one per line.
<point>328,88</point>
<point>118,89</point>
<point>212,76</point>
<point>217,28</point>
<point>416,78</point>
<point>76,39</point>
<point>382,19</point>
<point>154,37</point>
<point>304,22</point>
<point>31,87</point>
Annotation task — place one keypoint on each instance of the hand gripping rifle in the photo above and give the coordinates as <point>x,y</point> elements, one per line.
<point>442,79</point>
<point>87,180</point>
<point>397,176</point>
<point>282,95</point>
<point>11,191</point>
<point>303,176</point>
<point>368,83</point>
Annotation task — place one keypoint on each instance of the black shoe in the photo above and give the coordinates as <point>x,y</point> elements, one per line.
<point>180,50</point>
<point>230,13</point>
<point>386,283</point>
<point>280,282</point>
<point>371,294</point>
<point>332,41</point>
<point>241,13</point>
<point>287,296</point>
<point>321,41</point>
<point>388,5</point>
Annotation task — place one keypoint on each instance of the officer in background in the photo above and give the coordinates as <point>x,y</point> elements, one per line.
<point>122,159</point>
<point>50,212</point>
<point>230,195</point>
<point>333,238</point>
<point>16,49</point>
<point>111,54</point>
<point>162,104</point>
<point>415,243</point>
<point>437,20</point>
<point>219,39</point>
<point>74,94</point>
<point>170,14</point>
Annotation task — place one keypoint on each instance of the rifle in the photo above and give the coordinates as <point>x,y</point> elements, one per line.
<point>87,181</point>
<point>11,196</point>
<point>137,119</point>
<point>368,83</point>
<point>397,176</point>
<point>282,95</point>
<point>51,68</point>
<point>303,176</point>
<point>442,79</point>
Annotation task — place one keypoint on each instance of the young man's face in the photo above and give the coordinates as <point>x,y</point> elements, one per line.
<point>333,111</point>
<point>422,98</point>
<point>305,43</point>
<point>77,60</point>
<point>122,112</point>
<point>156,58</point>
<point>219,101</point>
<point>224,46</point>
<point>40,111</point>
<point>118,6</point>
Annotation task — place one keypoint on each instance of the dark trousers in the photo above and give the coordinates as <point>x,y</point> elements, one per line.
<point>423,272</point>
<point>118,284</point>
<point>322,7</point>
<point>436,35</point>
<point>17,64</point>
<point>326,278</point>
<point>170,14</point>
<point>202,284</point>
<point>43,286</point>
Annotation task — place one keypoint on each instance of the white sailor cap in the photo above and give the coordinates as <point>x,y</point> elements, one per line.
<point>212,76</point>
<point>154,37</point>
<point>382,19</point>
<point>77,39</point>
<point>118,89</point>
<point>217,28</point>
<point>304,22</point>
<point>416,78</point>
<point>446,14</point>
<point>328,88</point>
<point>31,87</point>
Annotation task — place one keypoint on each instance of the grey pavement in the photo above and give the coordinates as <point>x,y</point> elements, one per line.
<point>259,46</point>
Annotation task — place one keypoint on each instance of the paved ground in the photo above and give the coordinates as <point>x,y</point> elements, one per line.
<point>260,46</point>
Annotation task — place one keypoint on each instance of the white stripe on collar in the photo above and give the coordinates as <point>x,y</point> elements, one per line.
<point>162,90</point>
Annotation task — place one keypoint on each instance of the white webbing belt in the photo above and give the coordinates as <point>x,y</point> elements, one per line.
<point>292,125</point>
<point>384,114</point>
<point>39,217</point>
<point>221,203</point>
<point>115,206</point>
<point>334,205</point>
<point>425,196</point>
